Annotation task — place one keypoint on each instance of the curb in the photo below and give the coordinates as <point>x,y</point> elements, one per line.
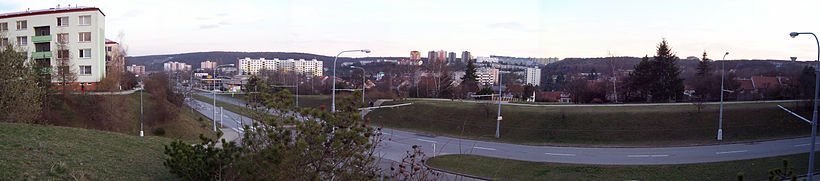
<point>456,173</point>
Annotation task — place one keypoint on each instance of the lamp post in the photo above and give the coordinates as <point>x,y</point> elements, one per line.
<point>814,114</point>
<point>720,118</point>
<point>500,95</point>
<point>141,90</point>
<point>213,89</point>
<point>333,96</point>
<point>363,81</point>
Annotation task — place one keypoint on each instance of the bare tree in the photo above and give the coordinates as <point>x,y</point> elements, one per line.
<point>65,73</point>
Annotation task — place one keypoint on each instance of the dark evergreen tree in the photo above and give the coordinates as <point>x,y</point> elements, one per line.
<point>658,80</point>
<point>703,66</point>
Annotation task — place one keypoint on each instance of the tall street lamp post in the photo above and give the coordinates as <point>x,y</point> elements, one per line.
<point>333,96</point>
<point>720,118</point>
<point>141,90</point>
<point>213,89</point>
<point>500,95</point>
<point>814,114</point>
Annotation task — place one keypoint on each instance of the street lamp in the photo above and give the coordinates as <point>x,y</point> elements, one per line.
<point>213,89</point>
<point>814,114</point>
<point>333,97</point>
<point>500,95</point>
<point>141,90</point>
<point>363,81</point>
<point>720,119</point>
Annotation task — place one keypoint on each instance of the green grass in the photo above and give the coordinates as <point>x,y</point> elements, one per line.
<point>36,152</point>
<point>504,169</point>
<point>623,126</point>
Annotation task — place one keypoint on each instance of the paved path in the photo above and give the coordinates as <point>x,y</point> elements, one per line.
<point>397,142</point>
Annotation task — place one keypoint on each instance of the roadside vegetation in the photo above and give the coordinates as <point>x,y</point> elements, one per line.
<point>505,169</point>
<point>623,126</point>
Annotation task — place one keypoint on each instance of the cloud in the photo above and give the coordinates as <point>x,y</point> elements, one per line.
<point>208,26</point>
<point>507,25</point>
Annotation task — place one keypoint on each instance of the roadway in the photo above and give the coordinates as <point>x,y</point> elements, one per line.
<point>396,142</point>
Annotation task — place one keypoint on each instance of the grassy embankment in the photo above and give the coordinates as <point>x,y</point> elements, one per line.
<point>122,115</point>
<point>624,126</point>
<point>504,169</point>
<point>313,101</point>
<point>37,152</point>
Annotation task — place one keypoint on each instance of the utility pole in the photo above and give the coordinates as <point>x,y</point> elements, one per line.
<point>500,95</point>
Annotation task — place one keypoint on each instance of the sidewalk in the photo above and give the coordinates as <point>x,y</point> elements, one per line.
<point>228,135</point>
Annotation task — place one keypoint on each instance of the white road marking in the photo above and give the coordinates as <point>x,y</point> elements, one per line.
<point>386,133</point>
<point>727,152</point>
<point>429,141</point>
<point>645,156</point>
<point>559,154</point>
<point>807,144</point>
<point>483,148</point>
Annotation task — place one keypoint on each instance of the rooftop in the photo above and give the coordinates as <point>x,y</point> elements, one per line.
<point>49,11</point>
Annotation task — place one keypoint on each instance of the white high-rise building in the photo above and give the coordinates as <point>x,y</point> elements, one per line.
<point>175,66</point>
<point>532,76</point>
<point>487,76</point>
<point>80,29</point>
<point>302,66</point>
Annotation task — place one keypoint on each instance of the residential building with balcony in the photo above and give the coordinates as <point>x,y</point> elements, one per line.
<point>76,34</point>
<point>175,66</point>
<point>114,59</point>
<point>249,66</point>
<point>207,65</point>
<point>136,69</point>
<point>487,76</point>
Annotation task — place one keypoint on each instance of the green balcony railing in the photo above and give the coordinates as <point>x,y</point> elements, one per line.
<point>41,55</point>
<point>38,39</point>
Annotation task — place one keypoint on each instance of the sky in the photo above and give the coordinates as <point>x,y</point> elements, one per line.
<point>748,29</point>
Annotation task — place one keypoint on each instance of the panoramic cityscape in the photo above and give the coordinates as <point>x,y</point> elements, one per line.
<point>408,90</point>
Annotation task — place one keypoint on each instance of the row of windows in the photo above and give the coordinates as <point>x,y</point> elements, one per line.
<point>84,53</point>
<point>61,38</point>
<point>61,21</point>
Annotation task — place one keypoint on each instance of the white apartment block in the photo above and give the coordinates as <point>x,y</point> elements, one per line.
<point>487,76</point>
<point>175,66</point>
<point>207,65</point>
<point>532,76</point>
<point>80,29</point>
<point>301,66</point>
<point>136,69</point>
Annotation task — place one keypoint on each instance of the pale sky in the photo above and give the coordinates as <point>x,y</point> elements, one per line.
<point>749,29</point>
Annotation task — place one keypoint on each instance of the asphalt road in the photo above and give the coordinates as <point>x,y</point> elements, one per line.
<point>397,142</point>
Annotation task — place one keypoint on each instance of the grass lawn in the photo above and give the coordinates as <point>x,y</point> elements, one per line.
<point>37,152</point>
<point>504,169</point>
<point>623,126</point>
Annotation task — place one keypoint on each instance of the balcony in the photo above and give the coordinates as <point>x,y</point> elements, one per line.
<point>36,55</point>
<point>38,39</point>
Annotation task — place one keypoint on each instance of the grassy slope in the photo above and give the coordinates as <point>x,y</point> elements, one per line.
<point>503,169</point>
<point>186,127</point>
<point>41,152</point>
<point>657,125</point>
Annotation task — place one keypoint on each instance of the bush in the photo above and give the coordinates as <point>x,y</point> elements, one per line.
<point>159,131</point>
<point>201,161</point>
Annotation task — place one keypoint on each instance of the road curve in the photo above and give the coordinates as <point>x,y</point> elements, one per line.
<point>397,142</point>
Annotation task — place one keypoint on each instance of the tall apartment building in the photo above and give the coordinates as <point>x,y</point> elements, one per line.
<point>136,69</point>
<point>487,76</point>
<point>80,29</point>
<point>114,60</point>
<point>451,57</point>
<point>532,76</point>
<point>441,55</point>
<point>175,66</point>
<point>301,66</point>
<point>207,65</point>
<point>465,56</point>
<point>431,56</point>
<point>415,55</point>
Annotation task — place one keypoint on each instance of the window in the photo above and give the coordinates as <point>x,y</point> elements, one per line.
<point>85,53</point>
<point>62,53</point>
<point>22,25</point>
<point>85,20</point>
<point>22,40</point>
<point>62,21</point>
<point>4,26</point>
<point>42,31</point>
<point>62,38</point>
<point>85,69</point>
<point>108,49</point>
<point>42,47</point>
<point>4,42</point>
<point>85,36</point>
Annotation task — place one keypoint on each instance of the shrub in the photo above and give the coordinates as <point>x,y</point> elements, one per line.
<point>159,131</point>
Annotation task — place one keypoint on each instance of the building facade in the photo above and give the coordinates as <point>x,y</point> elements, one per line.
<point>487,76</point>
<point>175,66</point>
<point>432,56</point>
<point>532,76</point>
<point>465,56</point>
<point>451,57</point>
<point>250,66</point>
<point>207,65</point>
<point>415,55</point>
<point>136,69</point>
<point>75,34</point>
<point>114,59</point>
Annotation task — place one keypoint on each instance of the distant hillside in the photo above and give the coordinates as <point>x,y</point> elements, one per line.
<point>154,62</point>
